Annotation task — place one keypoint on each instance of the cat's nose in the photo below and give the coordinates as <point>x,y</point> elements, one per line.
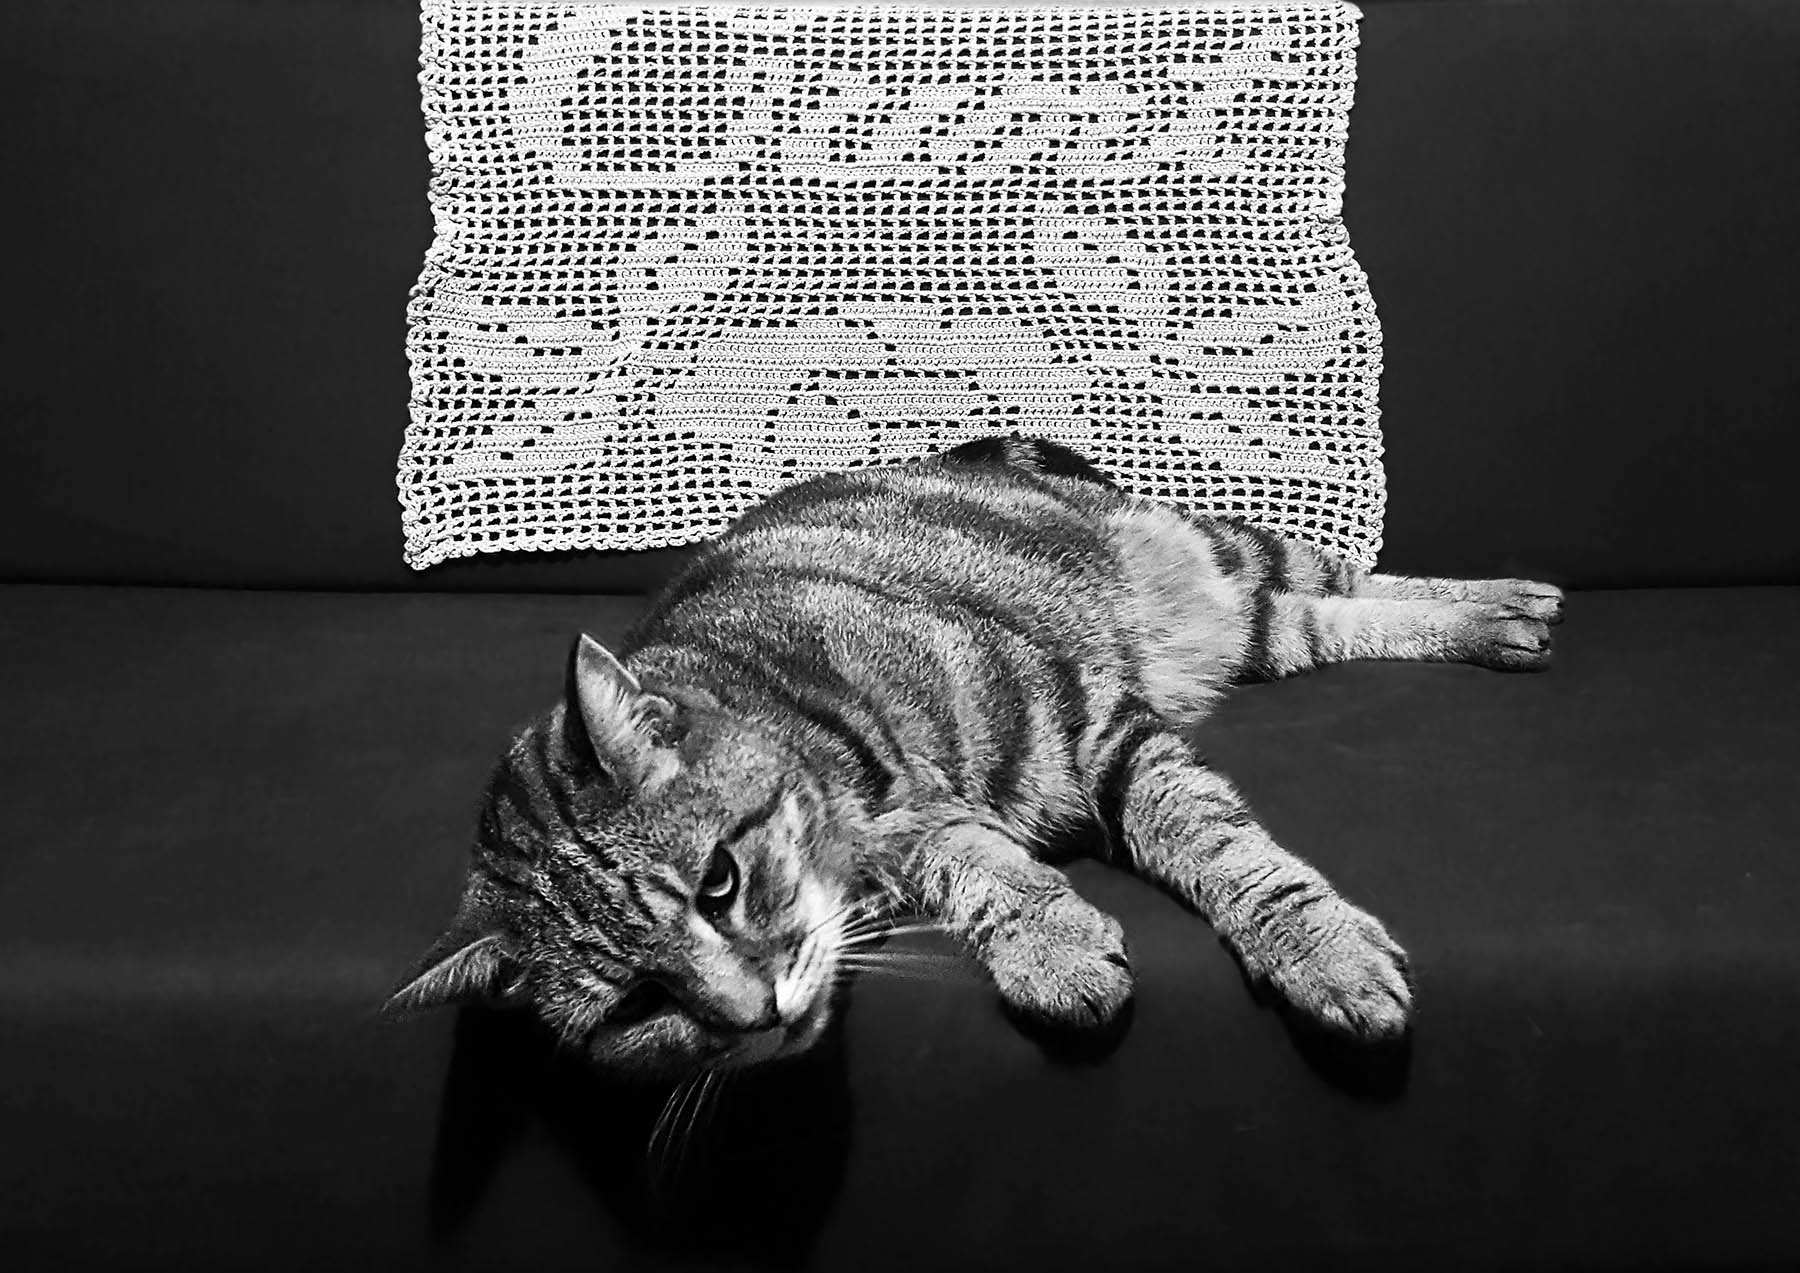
<point>749,1011</point>
<point>752,1009</point>
<point>732,994</point>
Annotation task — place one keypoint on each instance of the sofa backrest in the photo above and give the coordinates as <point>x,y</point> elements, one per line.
<point>1577,216</point>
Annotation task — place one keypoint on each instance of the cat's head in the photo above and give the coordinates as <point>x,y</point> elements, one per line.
<point>651,877</point>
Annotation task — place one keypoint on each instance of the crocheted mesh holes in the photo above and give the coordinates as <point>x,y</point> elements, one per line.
<point>686,255</point>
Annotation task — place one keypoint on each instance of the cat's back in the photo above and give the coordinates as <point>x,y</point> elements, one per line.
<point>993,540</point>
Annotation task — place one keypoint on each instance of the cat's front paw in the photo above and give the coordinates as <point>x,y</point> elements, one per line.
<point>1344,971</point>
<point>1062,964</point>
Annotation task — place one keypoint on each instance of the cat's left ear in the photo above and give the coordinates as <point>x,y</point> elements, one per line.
<point>628,730</point>
<point>464,965</point>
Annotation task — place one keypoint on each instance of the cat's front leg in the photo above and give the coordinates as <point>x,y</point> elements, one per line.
<point>1054,957</point>
<point>1185,828</point>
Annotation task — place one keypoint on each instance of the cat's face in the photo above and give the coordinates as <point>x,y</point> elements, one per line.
<point>657,883</point>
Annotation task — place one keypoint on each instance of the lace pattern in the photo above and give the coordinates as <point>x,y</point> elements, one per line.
<point>688,254</point>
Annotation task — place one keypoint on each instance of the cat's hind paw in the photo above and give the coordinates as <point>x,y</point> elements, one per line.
<point>1532,600</point>
<point>1506,637</point>
<point>1520,598</point>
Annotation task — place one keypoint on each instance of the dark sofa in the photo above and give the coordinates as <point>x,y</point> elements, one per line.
<point>242,743</point>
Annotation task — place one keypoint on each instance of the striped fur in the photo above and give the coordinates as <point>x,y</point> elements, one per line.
<point>894,691</point>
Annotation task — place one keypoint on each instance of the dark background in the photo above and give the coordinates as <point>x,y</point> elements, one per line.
<point>1578,217</point>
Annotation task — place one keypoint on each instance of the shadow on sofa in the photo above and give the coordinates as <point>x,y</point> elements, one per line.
<point>746,1174</point>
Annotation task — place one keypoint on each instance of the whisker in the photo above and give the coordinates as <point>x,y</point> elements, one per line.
<point>871,932</point>
<point>874,940</point>
<point>873,911</point>
<point>857,920</point>
<point>686,1132</point>
<point>877,966</point>
<point>718,1081</point>
<point>667,1132</point>
<point>686,1138</point>
<point>662,1119</point>
<point>938,970</point>
<point>902,930</point>
<point>840,913</point>
<point>860,929</point>
<point>892,922</point>
<point>901,952</point>
<point>896,954</point>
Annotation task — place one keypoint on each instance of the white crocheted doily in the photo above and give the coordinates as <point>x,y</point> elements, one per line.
<point>688,254</point>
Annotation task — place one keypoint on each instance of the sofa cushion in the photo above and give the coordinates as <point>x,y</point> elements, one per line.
<point>236,817</point>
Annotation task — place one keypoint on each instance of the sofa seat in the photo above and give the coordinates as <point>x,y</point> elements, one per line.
<point>235,817</point>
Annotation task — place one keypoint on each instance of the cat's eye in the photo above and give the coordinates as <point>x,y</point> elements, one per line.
<point>644,1000</point>
<point>719,886</point>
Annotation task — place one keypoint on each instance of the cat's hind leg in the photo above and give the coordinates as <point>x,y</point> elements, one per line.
<point>1184,828</point>
<point>1278,563</point>
<point>1054,956</point>
<point>1295,633</point>
<point>1286,564</point>
<point>1313,607</point>
<point>1213,601</point>
<point>1541,601</point>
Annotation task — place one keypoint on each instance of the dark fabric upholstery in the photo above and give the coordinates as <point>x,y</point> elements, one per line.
<point>234,818</point>
<point>1576,215</point>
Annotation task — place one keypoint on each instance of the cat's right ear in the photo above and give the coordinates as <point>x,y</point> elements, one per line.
<point>611,717</point>
<point>464,965</point>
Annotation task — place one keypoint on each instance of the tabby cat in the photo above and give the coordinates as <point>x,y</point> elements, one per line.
<point>889,693</point>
